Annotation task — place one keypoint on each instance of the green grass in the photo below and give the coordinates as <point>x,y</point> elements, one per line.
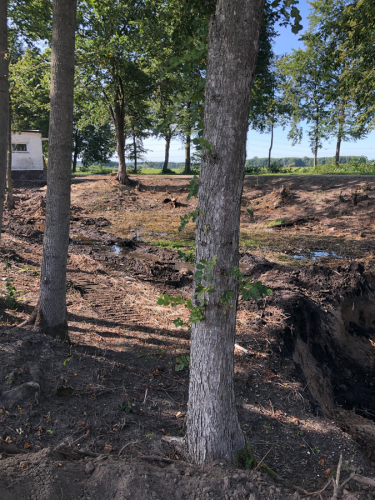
<point>173,245</point>
<point>271,223</point>
<point>95,171</point>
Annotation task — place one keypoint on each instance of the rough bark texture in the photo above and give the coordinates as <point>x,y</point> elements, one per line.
<point>10,197</point>
<point>51,308</point>
<point>213,430</point>
<point>120,139</point>
<point>187,154</point>
<point>166,159</point>
<point>4,103</point>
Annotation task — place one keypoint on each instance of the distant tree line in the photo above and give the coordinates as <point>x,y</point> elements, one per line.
<point>300,162</point>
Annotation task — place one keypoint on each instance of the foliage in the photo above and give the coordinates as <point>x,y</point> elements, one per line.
<point>182,362</point>
<point>10,296</point>
<point>245,459</point>
<point>249,290</point>
<point>29,84</point>
<point>185,219</point>
<point>187,256</point>
<point>204,273</point>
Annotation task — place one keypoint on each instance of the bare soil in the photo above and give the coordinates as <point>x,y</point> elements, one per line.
<point>87,420</point>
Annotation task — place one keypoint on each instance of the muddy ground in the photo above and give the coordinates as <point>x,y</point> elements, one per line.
<point>86,420</point>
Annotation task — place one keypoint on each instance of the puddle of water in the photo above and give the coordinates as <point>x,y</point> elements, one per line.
<point>318,255</point>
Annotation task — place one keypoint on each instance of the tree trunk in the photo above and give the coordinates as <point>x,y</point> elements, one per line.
<point>50,311</point>
<point>122,176</point>
<point>187,154</point>
<point>213,429</point>
<point>340,133</point>
<point>270,150</point>
<point>75,152</point>
<point>135,153</point>
<point>166,160</point>
<point>4,103</point>
<point>10,197</point>
<point>338,146</point>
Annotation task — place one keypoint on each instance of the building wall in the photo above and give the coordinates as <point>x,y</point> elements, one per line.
<point>32,159</point>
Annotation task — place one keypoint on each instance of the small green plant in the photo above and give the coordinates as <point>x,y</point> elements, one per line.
<point>245,459</point>
<point>189,256</point>
<point>248,289</point>
<point>10,378</point>
<point>10,296</point>
<point>203,273</point>
<point>67,360</point>
<point>250,212</point>
<point>185,219</point>
<point>182,362</point>
<point>149,436</point>
<point>127,408</point>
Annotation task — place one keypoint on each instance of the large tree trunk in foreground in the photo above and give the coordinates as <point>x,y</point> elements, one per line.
<point>166,158</point>
<point>187,154</point>
<point>4,103</point>
<point>213,429</point>
<point>122,176</point>
<point>51,312</point>
<point>10,197</point>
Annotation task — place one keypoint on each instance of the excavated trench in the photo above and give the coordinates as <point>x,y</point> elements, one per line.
<point>334,346</point>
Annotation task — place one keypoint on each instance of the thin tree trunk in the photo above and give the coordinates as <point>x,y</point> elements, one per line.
<point>338,146</point>
<point>270,150</point>
<point>10,197</point>
<point>75,153</point>
<point>187,154</point>
<point>340,133</point>
<point>135,153</point>
<point>316,137</point>
<point>122,176</point>
<point>166,160</point>
<point>4,103</point>
<point>213,429</point>
<point>50,311</point>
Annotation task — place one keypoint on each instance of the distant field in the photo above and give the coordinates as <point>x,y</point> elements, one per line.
<point>329,169</point>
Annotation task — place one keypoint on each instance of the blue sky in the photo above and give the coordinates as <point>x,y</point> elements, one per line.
<point>258,144</point>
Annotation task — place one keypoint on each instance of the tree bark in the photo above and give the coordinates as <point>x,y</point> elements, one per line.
<point>213,429</point>
<point>135,153</point>
<point>122,176</point>
<point>10,197</point>
<point>166,160</point>
<point>51,312</point>
<point>270,150</point>
<point>187,154</point>
<point>4,103</point>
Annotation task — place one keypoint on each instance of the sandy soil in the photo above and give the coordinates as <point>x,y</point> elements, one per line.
<point>304,387</point>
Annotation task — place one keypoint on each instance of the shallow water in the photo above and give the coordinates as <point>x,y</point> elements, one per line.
<point>317,254</point>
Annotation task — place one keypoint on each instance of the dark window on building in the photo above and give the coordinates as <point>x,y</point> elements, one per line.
<point>19,148</point>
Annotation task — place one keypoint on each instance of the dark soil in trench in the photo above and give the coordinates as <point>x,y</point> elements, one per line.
<point>304,390</point>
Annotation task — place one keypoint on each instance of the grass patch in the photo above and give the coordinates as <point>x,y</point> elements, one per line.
<point>271,223</point>
<point>173,245</point>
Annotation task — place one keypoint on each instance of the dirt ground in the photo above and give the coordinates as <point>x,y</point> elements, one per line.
<point>87,420</point>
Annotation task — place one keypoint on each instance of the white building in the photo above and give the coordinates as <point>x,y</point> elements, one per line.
<point>27,155</point>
